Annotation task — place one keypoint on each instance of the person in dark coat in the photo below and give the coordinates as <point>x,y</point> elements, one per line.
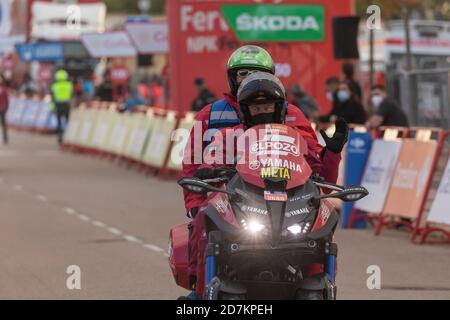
<point>306,103</point>
<point>348,71</point>
<point>205,96</point>
<point>387,111</point>
<point>348,107</point>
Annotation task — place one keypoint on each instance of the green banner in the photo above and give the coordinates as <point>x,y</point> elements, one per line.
<point>276,22</point>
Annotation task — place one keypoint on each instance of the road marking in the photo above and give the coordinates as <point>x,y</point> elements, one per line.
<point>99,224</point>
<point>84,217</point>
<point>69,211</point>
<point>115,231</point>
<point>153,247</point>
<point>132,239</point>
<point>41,197</point>
<point>96,223</point>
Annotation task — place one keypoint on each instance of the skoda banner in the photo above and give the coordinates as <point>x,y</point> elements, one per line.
<point>299,37</point>
<point>276,22</point>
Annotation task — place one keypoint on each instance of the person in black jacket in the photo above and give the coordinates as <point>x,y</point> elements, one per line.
<point>205,97</point>
<point>348,106</point>
<point>349,72</point>
<point>104,91</point>
<point>387,111</point>
<point>304,102</point>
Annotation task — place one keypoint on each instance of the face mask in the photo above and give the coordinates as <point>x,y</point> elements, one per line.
<point>263,118</point>
<point>330,96</point>
<point>343,95</point>
<point>376,101</point>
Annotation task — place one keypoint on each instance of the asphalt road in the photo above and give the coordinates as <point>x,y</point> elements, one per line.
<point>58,209</point>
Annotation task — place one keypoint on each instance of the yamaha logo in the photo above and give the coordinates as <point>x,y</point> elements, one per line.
<point>254,165</point>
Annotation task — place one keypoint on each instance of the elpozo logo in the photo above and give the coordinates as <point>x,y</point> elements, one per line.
<point>275,145</point>
<point>276,22</point>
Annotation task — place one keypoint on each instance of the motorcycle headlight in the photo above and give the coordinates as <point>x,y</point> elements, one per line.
<point>299,228</point>
<point>295,229</point>
<point>253,226</point>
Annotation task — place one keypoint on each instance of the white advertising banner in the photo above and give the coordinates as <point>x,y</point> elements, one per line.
<point>378,175</point>
<point>5,17</point>
<point>66,21</point>
<point>149,37</point>
<point>111,44</point>
<point>439,212</point>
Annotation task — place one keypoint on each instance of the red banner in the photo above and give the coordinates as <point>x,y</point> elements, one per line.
<point>201,42</point>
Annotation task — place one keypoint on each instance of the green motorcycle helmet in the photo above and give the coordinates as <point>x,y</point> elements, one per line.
<point>248,57</point>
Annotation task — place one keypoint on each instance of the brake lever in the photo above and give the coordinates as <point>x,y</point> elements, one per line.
<point>216,180</point>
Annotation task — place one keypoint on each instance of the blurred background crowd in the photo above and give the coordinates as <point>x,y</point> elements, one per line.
<point>395,74</point>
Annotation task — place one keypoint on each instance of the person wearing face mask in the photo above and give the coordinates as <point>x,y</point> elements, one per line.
<point>348,106</point>
<point>262,99</point>
<point>332,86</point>
<point>386,111</point>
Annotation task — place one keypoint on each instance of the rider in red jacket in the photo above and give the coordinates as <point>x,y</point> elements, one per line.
<point>265,107</point>
<point>225,114</point>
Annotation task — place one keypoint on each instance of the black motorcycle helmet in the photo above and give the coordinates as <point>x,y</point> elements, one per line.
<point>261,88</point>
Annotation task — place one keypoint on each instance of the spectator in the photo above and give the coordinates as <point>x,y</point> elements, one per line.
<point>4,104</point>
<point>133,99</point>
<point>88,89</point>
<point>29,88</point>
<point>332,86</point>
<point>105,89</point>
<point>349,73</point>
<point>157,93</point>
<point>304,102</point>
<point>205,96</point>
<point>387,111</point>
<point>349,107</point>
<point>144,91</point>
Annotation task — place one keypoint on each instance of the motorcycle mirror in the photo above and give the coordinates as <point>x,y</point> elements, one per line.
<point>198,186</point>
<point>347,195</point>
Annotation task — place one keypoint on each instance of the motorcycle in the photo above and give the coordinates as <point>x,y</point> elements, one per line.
<point>267,220</point>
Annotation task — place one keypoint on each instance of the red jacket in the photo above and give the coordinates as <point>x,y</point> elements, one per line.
<point>4,99</point>
<point>316,158</point>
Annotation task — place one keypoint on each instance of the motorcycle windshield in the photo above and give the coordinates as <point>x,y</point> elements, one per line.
<point>272,152</point>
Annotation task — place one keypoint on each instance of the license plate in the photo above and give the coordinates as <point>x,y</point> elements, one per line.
<point>275,196</point>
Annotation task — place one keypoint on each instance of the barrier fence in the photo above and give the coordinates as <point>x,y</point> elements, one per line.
<point>31,114</point>
<point>396,165</point>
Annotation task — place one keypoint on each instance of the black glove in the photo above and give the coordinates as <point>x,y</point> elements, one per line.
<point>336,143</point>
<point>205,173</point>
